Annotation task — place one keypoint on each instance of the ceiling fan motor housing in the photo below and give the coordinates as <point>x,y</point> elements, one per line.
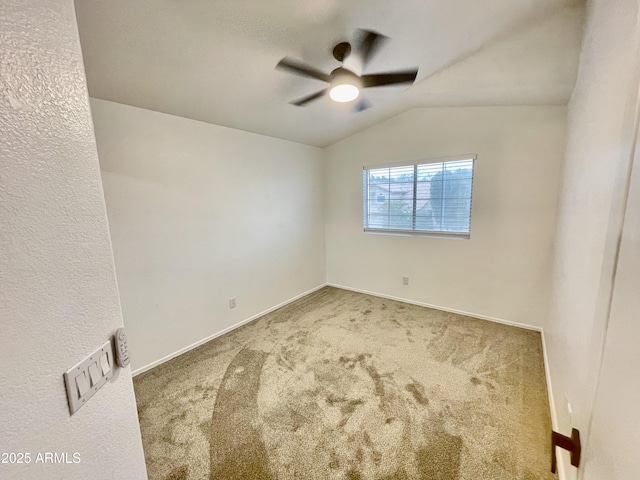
<point>343,75</point>
<point>350,60</point>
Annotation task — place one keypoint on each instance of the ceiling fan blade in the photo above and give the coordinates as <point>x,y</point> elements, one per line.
<point>300,68</point>
<point>370,43</point>
<point>308,98</point>
<point>362,105</point>
<point>391,78</point>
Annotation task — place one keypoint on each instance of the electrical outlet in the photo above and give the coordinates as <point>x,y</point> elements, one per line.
<point>405,280</point>
<point>232,302</point>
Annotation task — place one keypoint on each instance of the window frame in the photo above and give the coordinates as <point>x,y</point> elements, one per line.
<point>412,232</point>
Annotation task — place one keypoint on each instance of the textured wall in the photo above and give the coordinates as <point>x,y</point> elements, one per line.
<point>201,213</point>
<point>502,271</point>
<point>599,144</point>
<point>612,450</point>
<point>58,296</point>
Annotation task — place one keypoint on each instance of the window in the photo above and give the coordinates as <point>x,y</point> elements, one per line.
<point>432,197</point>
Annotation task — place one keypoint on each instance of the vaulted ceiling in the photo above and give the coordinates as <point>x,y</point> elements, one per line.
<point>213,60</point>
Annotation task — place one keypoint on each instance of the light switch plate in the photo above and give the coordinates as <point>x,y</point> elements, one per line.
<point>88,373</point>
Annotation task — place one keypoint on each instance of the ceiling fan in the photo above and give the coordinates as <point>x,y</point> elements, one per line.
<point>346,81</point>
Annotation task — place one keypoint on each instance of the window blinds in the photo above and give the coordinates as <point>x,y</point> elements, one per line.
<point>432,197</point>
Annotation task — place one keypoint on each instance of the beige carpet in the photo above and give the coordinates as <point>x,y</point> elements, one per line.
<point>340,385</point>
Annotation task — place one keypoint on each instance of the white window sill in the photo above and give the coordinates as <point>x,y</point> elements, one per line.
<point>418,233</point>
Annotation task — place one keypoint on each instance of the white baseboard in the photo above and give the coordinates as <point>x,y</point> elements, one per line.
<point>151,365</point>
<point>439,307</point>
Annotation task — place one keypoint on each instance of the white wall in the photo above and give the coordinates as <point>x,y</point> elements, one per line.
<point>599,146</point>
<point>612,451</point>
<point>502,271</point>
<point>58,295</point>
<point>200,213</point>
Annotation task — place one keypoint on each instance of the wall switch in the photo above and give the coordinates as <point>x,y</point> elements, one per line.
<point>104,364</point>
<point>82,384</point>
<point>232,302</point>
<point>405,280</point>
<point>94,374</point>
<point>88,376</point>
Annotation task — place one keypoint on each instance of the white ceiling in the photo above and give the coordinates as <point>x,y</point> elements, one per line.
<point>213,60</point>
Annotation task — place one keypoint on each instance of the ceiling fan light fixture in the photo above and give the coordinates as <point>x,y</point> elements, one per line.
<point>344,85</point>
<point>344,93</point>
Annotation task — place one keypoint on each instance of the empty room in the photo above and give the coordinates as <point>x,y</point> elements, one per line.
<point>312,239</point>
